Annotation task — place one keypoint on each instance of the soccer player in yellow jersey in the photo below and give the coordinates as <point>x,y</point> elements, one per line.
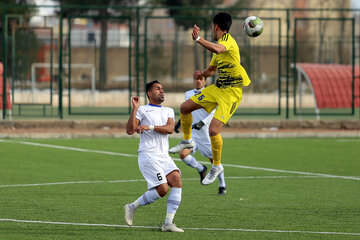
<point>225,94</point>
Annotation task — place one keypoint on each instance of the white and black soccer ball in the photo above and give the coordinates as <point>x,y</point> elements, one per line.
<point>253,26</point>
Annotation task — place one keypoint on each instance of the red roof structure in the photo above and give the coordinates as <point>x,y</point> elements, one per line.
<point>332,84</point>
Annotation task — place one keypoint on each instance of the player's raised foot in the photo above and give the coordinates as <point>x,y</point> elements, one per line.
<point>171,228</point>
<point>222,191</point>
<point>182,145</point>
<point>212,175</point>
<point>129,214</point>
<point>203,174</point>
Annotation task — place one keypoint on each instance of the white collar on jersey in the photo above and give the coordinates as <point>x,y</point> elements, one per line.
<point>198,90</point>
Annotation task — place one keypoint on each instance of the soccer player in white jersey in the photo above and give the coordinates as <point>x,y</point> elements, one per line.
<point>200,135</point>
<point>154,122</point>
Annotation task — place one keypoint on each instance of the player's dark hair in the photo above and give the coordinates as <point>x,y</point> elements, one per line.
<point>223,20</point>
<point>149,86</point>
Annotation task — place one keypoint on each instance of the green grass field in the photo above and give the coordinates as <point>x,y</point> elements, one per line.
<point>277,189</point>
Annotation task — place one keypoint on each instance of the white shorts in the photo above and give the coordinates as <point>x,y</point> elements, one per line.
<point>156,168</point>
<point>203,145</point>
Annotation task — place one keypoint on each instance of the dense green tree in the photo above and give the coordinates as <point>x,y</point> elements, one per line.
<point>25,39</point>
<point>189,12</point>
<point>186,8</point>
<point>187,23</point>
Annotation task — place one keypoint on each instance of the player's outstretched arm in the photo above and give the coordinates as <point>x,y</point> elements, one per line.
<point>213,47</point>
<point>133,122</point>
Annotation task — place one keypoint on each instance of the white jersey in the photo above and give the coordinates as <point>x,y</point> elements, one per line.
<point>151,141</point>
<point>200,115</point>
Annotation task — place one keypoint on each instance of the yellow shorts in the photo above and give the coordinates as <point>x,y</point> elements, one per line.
<point>225,99</point>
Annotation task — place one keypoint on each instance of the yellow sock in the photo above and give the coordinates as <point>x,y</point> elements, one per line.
<point>216,147</point>
<point>186,121</point>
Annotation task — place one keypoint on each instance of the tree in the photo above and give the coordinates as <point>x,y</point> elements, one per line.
<point>24,39</point>
<point>198,13</point>
<point>187,23</point>
<point>101,11</point>
<point>190,13</point>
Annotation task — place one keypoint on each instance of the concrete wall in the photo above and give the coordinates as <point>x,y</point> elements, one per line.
<point>120,99</point>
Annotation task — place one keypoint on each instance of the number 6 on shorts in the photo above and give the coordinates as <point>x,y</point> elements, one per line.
<point>159,176</point>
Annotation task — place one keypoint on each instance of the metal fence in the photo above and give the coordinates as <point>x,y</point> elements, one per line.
<point>90,60</point>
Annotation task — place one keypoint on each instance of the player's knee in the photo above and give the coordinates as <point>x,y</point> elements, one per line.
<point>177,183</point>
<point>186,108</point>
<point>213,132</point>
<point>175,180</point>
<point>162,189</point>
<point>183,109</point>
<point>183,155</point>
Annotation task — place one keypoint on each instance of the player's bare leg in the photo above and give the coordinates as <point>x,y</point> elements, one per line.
<point>216,147</point>
<point>189,106</point>
<point>186,122</point>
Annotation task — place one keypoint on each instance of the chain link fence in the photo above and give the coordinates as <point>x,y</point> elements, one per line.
<point>90,60</point>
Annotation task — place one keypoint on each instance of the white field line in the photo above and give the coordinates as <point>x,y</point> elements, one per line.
<point>348,140</point>
<point>294,172</point>
<point>76,149</point>
<point>143,180</point>
<point>194,229</point>
<point>177,159</point>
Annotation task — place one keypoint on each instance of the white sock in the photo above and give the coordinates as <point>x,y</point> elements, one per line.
<point>173,204</point>
<point>188,141</point>
<point>217,166</point>
<point>192,162</point>
<point>148,197</point>
<point>221,178</point>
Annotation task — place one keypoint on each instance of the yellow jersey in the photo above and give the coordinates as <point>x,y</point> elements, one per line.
<point>231,73</point>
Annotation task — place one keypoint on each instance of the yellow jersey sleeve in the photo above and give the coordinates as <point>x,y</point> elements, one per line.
<point>226,42</point>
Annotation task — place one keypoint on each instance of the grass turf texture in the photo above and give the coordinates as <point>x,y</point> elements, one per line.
<point>295,203</point>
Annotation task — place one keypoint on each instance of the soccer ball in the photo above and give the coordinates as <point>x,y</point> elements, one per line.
<point>253,26</point>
